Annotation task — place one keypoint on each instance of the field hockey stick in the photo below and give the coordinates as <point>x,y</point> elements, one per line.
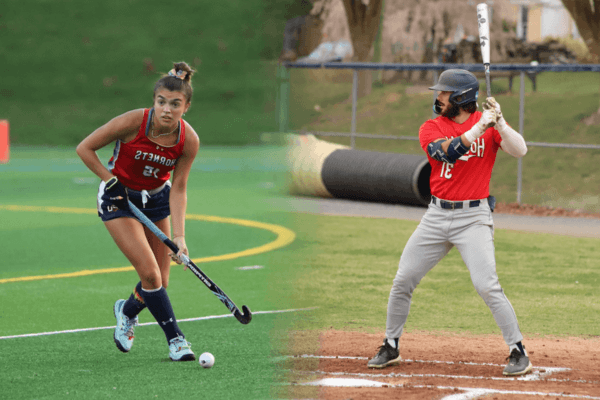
<point>244,317</point>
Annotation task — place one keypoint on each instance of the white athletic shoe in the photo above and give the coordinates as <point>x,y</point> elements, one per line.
<point>180,350</point>
<point>124,328</point>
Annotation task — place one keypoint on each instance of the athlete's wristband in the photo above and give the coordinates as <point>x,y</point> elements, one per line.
<point>501,125</point>
<point>474,133</point>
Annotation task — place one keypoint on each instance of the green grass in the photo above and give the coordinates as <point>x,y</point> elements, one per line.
<point>350,263</point>
<point>554,113</point>
<point>225,182</point>
<point>88,366</point>
<point>77,64</point>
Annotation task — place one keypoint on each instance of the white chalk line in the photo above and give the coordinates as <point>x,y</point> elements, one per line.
<point>470,393</point>
<point>406,360</point>
<point>250,267</point>
<point>538,376</point>
<point>533,376</point>
<point>26,335</point>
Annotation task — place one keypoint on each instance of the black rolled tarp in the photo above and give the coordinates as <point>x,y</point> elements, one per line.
<point>379,177</point>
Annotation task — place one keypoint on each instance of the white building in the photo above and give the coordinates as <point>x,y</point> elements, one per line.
<point>544,18</point>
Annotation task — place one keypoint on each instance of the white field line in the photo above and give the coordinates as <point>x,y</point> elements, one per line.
<point>421,361</point>
<point>470,393</point>
<point>534,376</point>
<point>250,267</point>
<point>148,323</point>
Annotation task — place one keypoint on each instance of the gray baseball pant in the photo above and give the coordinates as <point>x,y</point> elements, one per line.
<point>471,230</point>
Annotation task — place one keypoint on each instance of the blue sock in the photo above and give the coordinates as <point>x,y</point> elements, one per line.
<point>135,304</point>
<point>519,346</point>
<point>393,342</point>
<point>159,305</point>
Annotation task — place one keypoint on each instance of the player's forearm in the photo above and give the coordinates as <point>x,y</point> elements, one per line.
<point>178,205</point>
<point>91,160</point>
<point>446,143</point>
<point>512,142</point>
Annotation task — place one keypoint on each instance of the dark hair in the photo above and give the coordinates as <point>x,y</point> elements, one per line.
<point>179,79</point>
<point>454,109</point>
<point>470,107</point>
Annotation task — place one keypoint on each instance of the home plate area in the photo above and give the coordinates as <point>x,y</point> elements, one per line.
<point>446,366</point>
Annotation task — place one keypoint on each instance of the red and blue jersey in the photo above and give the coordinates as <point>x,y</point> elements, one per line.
<point>468,178</point>
<point>142,164</point>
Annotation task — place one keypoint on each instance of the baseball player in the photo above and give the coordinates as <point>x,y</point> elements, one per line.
<point>461,145</point>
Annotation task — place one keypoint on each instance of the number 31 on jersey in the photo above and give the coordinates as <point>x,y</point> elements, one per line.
<point>446,170</point>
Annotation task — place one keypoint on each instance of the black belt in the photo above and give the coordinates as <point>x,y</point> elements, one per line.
<point>454,205</point>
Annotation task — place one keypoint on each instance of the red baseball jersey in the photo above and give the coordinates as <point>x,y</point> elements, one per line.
<point>468,178</point>
<point>142,164</point>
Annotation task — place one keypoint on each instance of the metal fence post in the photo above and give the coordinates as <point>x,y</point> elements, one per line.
<point>521,125</point>
<point>435,93</point>
<point>283,98</point>
<point>354,99</point>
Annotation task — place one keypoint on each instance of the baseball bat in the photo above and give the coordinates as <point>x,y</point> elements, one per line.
<point>244,317</point>
<point>484,42</point>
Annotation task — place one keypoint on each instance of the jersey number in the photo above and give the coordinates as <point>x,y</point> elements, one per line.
<point>151,171</point>
<point>446,170</point>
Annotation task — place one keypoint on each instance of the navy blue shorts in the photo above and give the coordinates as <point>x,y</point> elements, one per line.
<point>156,206</point>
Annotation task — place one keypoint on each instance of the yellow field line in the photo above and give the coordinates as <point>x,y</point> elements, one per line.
<point>84,272</point>
<point>284,237</point>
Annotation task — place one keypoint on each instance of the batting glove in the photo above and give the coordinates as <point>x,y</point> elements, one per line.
<point>500,121</point>
<point>488,117</point>
<point>492,103</point>
<point>116,194</point>
<point>487,120</point>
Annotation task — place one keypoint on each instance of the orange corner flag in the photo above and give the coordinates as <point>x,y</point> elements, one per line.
<point>4,143</point>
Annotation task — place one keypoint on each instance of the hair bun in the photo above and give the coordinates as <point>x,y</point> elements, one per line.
<point>183,71</point>
<point>181,74</point>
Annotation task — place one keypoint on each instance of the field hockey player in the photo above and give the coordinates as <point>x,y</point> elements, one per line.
<point>149,144</point>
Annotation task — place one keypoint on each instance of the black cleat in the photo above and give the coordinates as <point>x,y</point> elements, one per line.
<point>518,364</point>
<point>386,356</point>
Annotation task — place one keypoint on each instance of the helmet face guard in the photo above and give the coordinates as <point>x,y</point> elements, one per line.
<point>463,85</point>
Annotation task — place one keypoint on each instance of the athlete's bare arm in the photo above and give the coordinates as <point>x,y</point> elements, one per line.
<point>124,128</point>
<point>178,196</point>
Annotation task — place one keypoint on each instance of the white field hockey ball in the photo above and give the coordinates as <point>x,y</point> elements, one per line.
<point>207,360</point>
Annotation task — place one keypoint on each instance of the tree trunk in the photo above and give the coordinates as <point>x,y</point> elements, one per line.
<point>587,21</point>
<point>363,22</point>
<point>588,25</point>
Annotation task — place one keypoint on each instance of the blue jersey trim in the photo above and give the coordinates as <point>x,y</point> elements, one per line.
<point>111,164</point>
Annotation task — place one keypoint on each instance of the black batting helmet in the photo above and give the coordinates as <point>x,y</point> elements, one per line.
<point>463,85</point>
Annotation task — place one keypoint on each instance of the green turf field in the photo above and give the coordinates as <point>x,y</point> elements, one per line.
<point>50,231</point>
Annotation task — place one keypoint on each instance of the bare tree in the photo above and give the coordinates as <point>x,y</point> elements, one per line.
<point>363,22</point>
<point>586,15</point>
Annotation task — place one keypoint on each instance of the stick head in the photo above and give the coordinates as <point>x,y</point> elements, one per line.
<point>244,318</point>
